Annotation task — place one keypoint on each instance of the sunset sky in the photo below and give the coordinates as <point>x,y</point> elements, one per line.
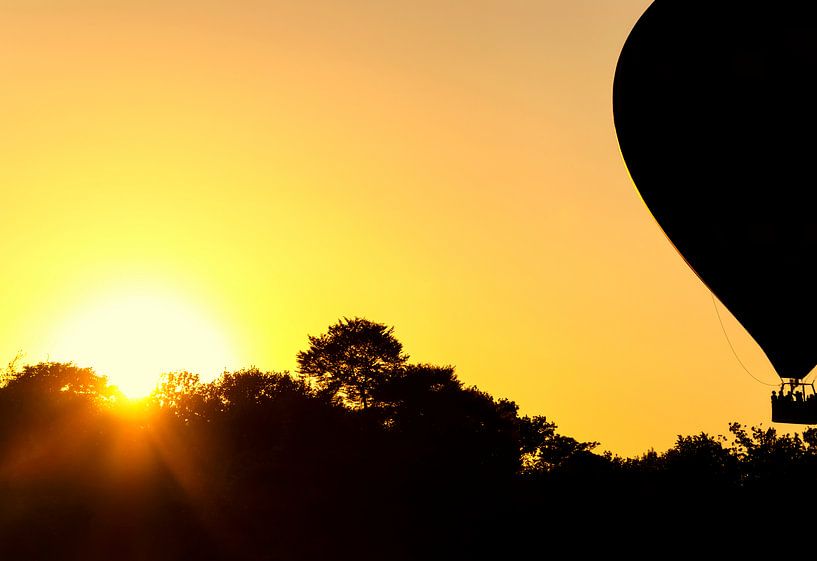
<point>203,184</point>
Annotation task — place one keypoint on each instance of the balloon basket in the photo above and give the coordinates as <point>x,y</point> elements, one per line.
<point>796,403</point>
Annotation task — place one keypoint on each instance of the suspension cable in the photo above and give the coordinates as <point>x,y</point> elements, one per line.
<point>734,352</point>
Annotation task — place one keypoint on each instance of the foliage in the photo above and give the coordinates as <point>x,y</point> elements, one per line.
<point>544,450</point>
<point>363,454</point>
<point>181,393</point>
<point>351,359</point>
<point>49,378</point>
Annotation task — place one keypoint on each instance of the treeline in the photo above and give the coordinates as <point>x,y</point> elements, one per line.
<point>360,455</point>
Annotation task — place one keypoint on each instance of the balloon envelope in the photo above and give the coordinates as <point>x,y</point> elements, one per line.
<point>715,106</point>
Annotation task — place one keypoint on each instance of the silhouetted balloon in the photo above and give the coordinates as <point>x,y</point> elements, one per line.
<point>715,105</point>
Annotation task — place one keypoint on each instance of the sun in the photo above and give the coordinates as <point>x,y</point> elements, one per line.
<point>134,336</point>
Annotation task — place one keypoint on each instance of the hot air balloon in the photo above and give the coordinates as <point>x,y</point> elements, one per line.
<point>715,108</point>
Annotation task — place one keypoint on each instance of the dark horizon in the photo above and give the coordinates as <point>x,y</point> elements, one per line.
<point>367,453</point>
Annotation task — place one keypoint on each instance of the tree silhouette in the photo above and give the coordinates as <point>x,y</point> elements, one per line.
<point>50,378</point>
<point>363,454</point>
<point>351,359</point>
<point>545,450</point>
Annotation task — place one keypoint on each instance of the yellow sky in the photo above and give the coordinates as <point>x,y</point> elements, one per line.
<point>449,168</point>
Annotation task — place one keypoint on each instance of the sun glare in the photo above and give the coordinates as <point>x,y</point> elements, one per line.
<point>134,337</point>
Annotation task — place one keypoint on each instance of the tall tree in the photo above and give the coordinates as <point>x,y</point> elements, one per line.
<point>352,358</point>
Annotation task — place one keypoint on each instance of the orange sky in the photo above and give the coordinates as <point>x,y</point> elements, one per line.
<point>264,168</point>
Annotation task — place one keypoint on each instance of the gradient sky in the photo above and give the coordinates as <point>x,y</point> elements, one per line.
<point>265,168</point>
